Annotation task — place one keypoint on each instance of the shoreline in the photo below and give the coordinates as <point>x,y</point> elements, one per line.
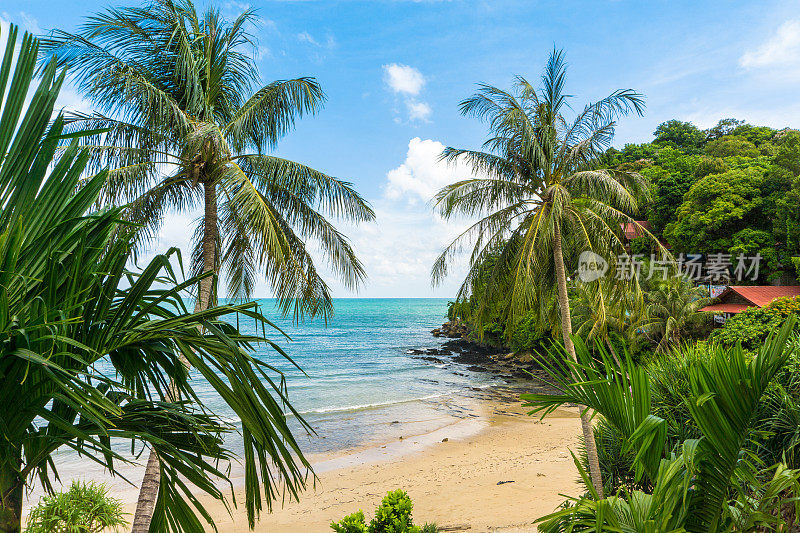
<point>499,471</point>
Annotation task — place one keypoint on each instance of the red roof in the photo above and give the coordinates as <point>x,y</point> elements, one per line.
<point>634,229</point>
<point>726,308</point>
<point>757,296</point>
<point>762,295</point>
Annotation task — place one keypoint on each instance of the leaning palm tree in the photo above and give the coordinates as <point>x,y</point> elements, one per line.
<point>541,194</point>
<point>186,123</point>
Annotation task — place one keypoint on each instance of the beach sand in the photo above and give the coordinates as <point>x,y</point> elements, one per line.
<point>455,483</point>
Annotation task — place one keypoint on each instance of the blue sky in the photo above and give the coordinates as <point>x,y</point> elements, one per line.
<point>394,72</point>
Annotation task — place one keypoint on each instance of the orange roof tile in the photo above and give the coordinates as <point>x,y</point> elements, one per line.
<point>761,295</point>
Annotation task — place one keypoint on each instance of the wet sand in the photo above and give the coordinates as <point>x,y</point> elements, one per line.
<point>498,470</point>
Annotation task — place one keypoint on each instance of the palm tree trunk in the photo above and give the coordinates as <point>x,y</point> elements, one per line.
<point>148,492</point>
<point>205,298</point>
<point>10,500</point>
<point>566,332</point>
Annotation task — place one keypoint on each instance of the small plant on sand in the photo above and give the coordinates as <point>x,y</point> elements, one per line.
<point>84,508</point>
<point>352,523</point>
<point>393,515</point>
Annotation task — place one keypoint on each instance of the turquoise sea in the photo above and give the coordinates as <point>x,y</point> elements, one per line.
<point>361,384</point>
<point>362,389</point>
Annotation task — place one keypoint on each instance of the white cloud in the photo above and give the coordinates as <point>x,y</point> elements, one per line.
<point>421,175</point>
<point>305,37</point>
<point>418,110</point>
<point>407,82</point>
<point>783,48</point>
<point>400,247</point>
<point>403,79</point>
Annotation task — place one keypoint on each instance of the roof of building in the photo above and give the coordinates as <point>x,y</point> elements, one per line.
<point>634,229</point>
<point>726,308</point>
<point>757,295</point>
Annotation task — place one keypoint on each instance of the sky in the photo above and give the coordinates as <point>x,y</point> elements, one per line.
<point>394,72</point>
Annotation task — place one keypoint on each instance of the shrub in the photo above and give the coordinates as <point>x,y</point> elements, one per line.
<point>393,515</point>
<point>84,508</point>
<point>751,326</point>
<point>352,523</point>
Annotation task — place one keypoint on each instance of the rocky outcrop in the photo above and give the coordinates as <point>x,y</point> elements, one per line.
<point>452,330</point>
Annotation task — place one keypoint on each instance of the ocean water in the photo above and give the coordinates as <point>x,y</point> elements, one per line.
<point>361,388</point>
<point>360,384</point>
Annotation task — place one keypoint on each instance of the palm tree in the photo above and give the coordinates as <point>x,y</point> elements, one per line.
<point>185,123</point>
<point>541,194</point>
<point>609,309</point>
<point>673,304</point>
<point>69,310</point>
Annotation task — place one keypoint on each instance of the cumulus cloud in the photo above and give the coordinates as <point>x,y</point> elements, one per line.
<point>403,79</point>
<point>421,175</point>
<point>399,248</point>
<point>407,83</point>
<point>782,48</point>
<point>418,110</point>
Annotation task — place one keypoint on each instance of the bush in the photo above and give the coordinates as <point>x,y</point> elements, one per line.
<point>352,523</point>
<point>84,508</point>
<point>393,515</point>
<point>751,326</point>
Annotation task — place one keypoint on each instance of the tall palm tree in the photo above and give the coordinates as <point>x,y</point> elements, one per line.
<point>540,191</point>
<point>186,123</point>
<point>90,353</point>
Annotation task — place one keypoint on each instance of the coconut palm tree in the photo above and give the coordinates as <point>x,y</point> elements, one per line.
<point>609,309</point>
<point>673,304</point>
<point>540,193</point>
<point>185,122</point>
<point>91,354</point>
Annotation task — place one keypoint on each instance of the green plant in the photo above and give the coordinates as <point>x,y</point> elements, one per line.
<point>352,523</point>
<point>84,508</point>
<point>92,353</point>
<point>393,515</point>
<point>752,326</point>
<point>705,484</point>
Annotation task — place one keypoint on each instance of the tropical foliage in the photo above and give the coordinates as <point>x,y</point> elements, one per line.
<point>730,189</point>
<point>91,353</point>
<point>186,122</point>
<point>393,515</point>
<point>84,508</point>
<point>707,482</point>
<point>752,326</point>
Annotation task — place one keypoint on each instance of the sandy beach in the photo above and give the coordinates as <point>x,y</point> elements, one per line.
<point>499,470</point>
